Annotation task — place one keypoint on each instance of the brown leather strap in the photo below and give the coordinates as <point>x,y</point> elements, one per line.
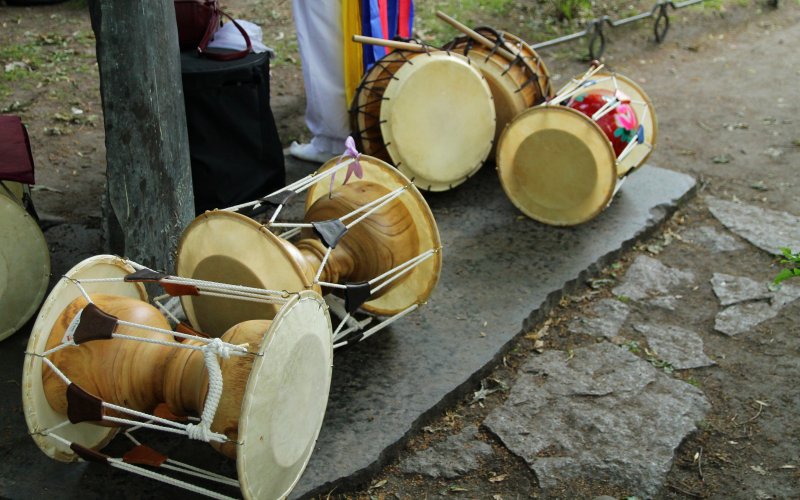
<point>88,454</point>
<point>82,406</point>
<point>144,455</point>
<point>188,330</point>
<point>223,56</point>
<point>94,325</point>
<point>178,289</point>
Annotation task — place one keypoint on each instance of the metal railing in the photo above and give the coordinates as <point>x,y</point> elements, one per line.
<point>595,28</point>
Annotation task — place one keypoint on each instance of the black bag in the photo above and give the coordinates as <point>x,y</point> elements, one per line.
<point>235,150</point>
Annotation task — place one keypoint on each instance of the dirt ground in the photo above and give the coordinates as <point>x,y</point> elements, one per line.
<point>723,85</point>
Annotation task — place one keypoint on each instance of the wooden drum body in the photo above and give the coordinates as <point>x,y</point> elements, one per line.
<point>515,85</point>
<point>557,162</point>
<point>431,114</point>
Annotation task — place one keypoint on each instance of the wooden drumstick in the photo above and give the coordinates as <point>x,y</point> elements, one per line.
<point>412,47</point>
<point>507,53</point>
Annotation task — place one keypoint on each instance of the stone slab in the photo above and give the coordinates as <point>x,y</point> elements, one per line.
<point>711,239</point>
<point>456,455</point>
<point>501,271</point>
<point>769,230</point>
<point>648,277</point>
<point>600,415</point>
<point>681,348</point>
<point>604,319</point>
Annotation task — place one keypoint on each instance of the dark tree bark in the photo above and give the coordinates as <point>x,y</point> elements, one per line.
<point>150,198</point>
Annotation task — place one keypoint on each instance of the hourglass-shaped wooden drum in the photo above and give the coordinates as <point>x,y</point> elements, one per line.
<point>260,391</point>
<point>354,234</point>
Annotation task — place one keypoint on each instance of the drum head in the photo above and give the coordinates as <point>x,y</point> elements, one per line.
<point>556,165</point>
<point>416,285</point>
<point>227,247</point>
<point>38,413</point>
<point>17,190</point>
<point>285,398</point>
<point>438,120</point>
<point>24,266</point>
<point>645,113</point>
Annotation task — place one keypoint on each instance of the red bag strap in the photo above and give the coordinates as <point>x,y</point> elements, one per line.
<point>219,56</point>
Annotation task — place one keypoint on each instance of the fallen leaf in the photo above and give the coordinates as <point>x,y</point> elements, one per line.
<point>499,478</point>
<point>379,484</point>
<point>721,159</point>
<point>759,469</point>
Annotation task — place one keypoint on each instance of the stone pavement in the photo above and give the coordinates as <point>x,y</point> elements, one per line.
<point>602,413</point>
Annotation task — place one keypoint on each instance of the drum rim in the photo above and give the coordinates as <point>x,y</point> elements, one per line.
<point>634,87</point>
<point>257,230</point>
<point>611,157</point>
<point>425,215</point>
<point>456,45</point>
<point>386,124</point>
<point>34,401</point>
<point>261,369</point>
<point>357,115</point>
<point>14,214</point>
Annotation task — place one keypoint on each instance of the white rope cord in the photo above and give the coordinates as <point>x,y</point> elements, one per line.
<point>182,466</point>
<point>215,285</point>
<point>235,350</point>
<point>628,149</point>
<point>202,431</point>
<point>54,428</point>
<point>54,349</point>
<point>164,309</point>
<point>187,469</point>
<point>148,417</point>
<point>382,324</point>
<point>290,224</point>
<point>375,205</point>
<point>55,369</point>
<point>366,206</point>
<point>322,264</point>
<point>80,288</point>
<point>606,108</point>
<point>359,325</point>
<point>298,186</point>
<point>620,182</point>
<point>402,268</point>
<point>332,285</point>
<point>287,235</point>
<point>115,462</point>
<point>234,295</point>
<point>574,85</point>
<point>398,275</point>
<point>342,323</point>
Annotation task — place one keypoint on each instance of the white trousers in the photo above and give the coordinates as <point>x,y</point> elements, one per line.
<point>321,43</point>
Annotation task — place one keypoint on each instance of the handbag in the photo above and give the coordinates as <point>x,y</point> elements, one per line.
<point>198,20</point>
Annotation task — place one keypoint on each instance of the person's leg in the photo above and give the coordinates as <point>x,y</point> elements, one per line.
<point>319,37</point>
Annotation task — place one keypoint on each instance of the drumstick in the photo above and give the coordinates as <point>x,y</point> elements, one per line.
<point>505,52</point>
<point>412,47</point>
<point>510,52</point>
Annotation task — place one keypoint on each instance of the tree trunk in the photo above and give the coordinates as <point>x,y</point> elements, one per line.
<point>149,171</point>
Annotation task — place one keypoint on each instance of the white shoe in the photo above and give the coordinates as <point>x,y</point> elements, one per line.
<point>308,152</point>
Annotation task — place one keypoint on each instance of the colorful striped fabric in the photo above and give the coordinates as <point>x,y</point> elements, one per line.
<point>385,19</point>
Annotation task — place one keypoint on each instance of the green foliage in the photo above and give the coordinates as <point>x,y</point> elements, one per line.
<point>470,12</point>
<point>570,9</point>
<point>793,268</point>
